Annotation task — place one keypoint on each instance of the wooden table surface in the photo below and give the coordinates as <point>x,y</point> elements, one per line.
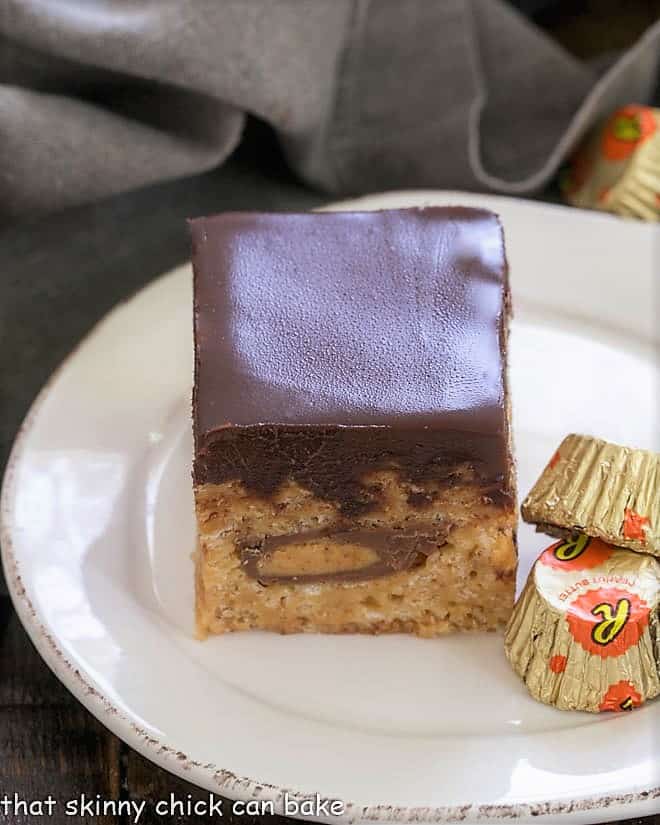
<point>59,276</point>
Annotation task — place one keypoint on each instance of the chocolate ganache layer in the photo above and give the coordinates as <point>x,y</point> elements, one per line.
<point>331,345</point>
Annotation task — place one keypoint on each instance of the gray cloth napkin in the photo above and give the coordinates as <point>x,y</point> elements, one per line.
<point>101,96</point>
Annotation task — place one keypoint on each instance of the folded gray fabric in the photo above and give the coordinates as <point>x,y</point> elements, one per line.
<point>101,96</point>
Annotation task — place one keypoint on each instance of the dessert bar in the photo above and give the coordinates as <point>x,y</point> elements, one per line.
<point>352,467</point>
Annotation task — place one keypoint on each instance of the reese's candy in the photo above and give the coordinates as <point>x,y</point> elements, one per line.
<point>603,490</point>
<point>617,167</point>
<point>585,632</point>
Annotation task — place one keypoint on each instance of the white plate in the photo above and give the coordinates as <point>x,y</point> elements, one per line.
<point>98,530</point>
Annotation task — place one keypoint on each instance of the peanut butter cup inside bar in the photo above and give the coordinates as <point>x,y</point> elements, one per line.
<point>352,467</point>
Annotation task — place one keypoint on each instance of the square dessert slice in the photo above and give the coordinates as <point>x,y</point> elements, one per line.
<point>352,465</point>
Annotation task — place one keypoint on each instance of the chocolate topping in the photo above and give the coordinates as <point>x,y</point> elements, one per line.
<point>395,550</point>
<point>330,345</point>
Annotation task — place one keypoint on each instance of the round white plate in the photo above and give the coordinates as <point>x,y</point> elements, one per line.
<point>98,530</point>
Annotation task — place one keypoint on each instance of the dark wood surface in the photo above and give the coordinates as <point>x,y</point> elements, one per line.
<point>58,277</point>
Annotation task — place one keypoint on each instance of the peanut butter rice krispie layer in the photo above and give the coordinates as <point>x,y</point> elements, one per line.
<point>352,465</point>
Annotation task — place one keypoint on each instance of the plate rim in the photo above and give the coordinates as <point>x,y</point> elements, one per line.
<point>209,776</point>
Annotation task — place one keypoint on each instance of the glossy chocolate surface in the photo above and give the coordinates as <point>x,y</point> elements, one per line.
<point>331,344</point>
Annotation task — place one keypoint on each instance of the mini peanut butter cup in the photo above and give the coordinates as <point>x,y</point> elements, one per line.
<point>602,490</point>
<point>585,632</point>
<point>617,167</point>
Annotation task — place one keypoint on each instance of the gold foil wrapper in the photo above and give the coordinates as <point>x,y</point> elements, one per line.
<point>601,489</point>
<point>617,168</point>
<point>585,632</point>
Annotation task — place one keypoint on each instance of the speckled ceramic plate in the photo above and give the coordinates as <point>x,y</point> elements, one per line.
<point>98,529</point>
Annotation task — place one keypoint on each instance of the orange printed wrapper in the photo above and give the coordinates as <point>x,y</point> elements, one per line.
<point>606,491</point>
<point>617,168</point>
<point>585,632</point>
